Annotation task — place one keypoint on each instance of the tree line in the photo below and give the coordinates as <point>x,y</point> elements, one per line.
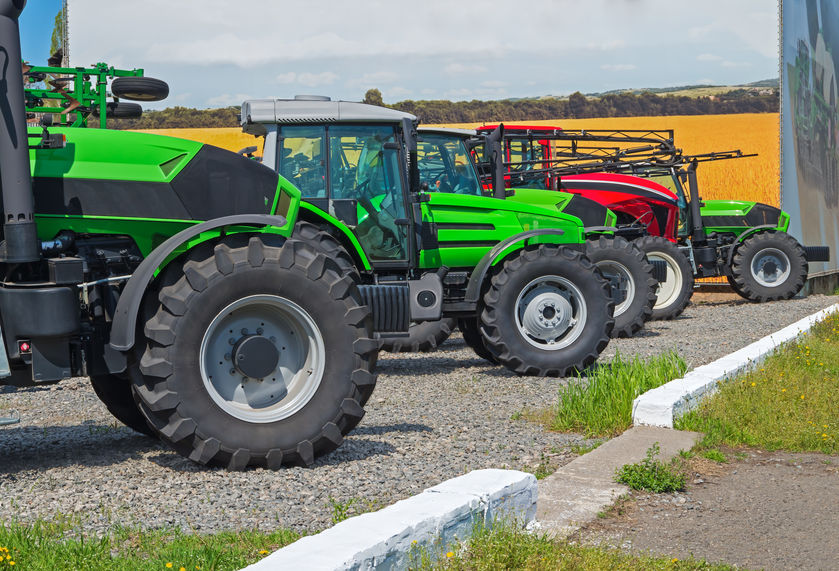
<point>576,106</point>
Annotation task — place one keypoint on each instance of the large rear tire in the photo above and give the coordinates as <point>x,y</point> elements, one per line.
<point>618,259</point>
<point>307,339</point>
<point>547,312</point>
<point>115,394</point>
<point>674,293</point>
<point>768,266</point>
<point>423,337</point>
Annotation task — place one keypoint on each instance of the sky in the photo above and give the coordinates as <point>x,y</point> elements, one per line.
<point>215,53</point>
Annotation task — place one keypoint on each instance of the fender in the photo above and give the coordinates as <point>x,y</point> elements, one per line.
<point>128,306</point>
<point>750,232</point>
<point>473,288</point>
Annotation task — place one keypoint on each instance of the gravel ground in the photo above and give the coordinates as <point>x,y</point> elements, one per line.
<point>769,510</point>
<point>432,417</point>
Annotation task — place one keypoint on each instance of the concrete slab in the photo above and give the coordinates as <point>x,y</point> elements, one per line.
<point>578,491</point>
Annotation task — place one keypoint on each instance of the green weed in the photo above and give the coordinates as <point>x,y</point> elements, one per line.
<point>651,474</point>
<point>601,404</point>
<point>60,545</point>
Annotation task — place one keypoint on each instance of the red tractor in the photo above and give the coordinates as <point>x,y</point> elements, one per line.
<point>541,157</point>
<point>745,241</point>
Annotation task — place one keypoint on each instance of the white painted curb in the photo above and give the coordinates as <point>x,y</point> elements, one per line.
<point>438,516</point>
<point>659,406</point>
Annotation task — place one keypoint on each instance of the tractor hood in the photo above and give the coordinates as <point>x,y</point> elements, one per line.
<point>619,183</point>
<point>589,212</point>
<point>101,172</point>
<point>731,215</point>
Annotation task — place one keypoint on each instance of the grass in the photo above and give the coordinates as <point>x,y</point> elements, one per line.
<point>601,404</point>
<point>789,403</point>
<point>508,547</point>
<point>652,475</point>
<point>58,545</point>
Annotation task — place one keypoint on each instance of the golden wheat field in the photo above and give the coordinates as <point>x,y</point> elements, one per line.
<point>756,178</point>
<point>749,179</point>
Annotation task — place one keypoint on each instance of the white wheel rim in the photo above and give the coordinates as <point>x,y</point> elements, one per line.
<point>667,292</point>
<point>770,267</point>
<point>550,312</point>
<point>626,283</point>
<point>299,370</point>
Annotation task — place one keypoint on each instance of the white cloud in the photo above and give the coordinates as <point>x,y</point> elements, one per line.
<point>430,49</point>
<point>228,99</point>
<point>286,78</point>
<point>374,79</point>
<point>307,79</point>
<point>618,67</point>
<point>316,79</point>
<point>457,69</point>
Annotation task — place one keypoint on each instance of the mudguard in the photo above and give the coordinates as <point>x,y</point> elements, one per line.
<point>473,288</point>
<point>128,306</point>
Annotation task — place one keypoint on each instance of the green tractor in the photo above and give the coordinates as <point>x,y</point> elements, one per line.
<point>446,164</point>
<point>514,275</point>
<point>213,308</point>
<point>166,271</point>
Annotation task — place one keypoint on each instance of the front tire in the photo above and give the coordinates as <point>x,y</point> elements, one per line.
<point>674,293</point>
<point>620,259</point>
<point>471,330</point>
<point>425,337</point>
<point>547,313</point>
<point>115,393</point>
<point>307,339</point>
<point>769,266</point>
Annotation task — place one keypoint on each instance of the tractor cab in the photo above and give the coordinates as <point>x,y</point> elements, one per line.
<point>412,201</point>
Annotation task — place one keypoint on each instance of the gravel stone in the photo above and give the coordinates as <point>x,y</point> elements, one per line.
<point>432,417</point>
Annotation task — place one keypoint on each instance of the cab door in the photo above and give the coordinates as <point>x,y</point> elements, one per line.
<point>353,172</point>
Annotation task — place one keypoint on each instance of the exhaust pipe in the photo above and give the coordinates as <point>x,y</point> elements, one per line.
<point>18,202</point>
<point>495,153</point>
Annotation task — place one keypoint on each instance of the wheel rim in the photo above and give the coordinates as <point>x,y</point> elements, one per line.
<point>667,291</point>
<point>550,312</point>
<point>770,267</point>
<point>273,330</point>
<point>626,284</point>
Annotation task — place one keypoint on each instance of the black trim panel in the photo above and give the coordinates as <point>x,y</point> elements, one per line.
<point>464,226</point>
<point>99,197</point>
<point>468,244</point>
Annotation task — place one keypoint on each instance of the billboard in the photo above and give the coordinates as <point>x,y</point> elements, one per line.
<point>810,124</point>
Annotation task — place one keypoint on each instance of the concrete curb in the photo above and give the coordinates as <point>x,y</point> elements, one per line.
<point>438,516</point>
<point>660,406</point>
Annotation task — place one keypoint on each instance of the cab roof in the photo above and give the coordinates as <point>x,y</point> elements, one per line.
<point>309,109</point>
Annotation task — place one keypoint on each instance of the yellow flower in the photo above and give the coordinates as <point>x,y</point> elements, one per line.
<point>11,562</point>
<point>263,551</point>
<point>783,390</point>
<point>824,435</point>
<point>674,559</point>
<point>182,569</point>
<point>802,396</point>
<point>450,554</point>
<point>754,384</point>
<point>169,565</point>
